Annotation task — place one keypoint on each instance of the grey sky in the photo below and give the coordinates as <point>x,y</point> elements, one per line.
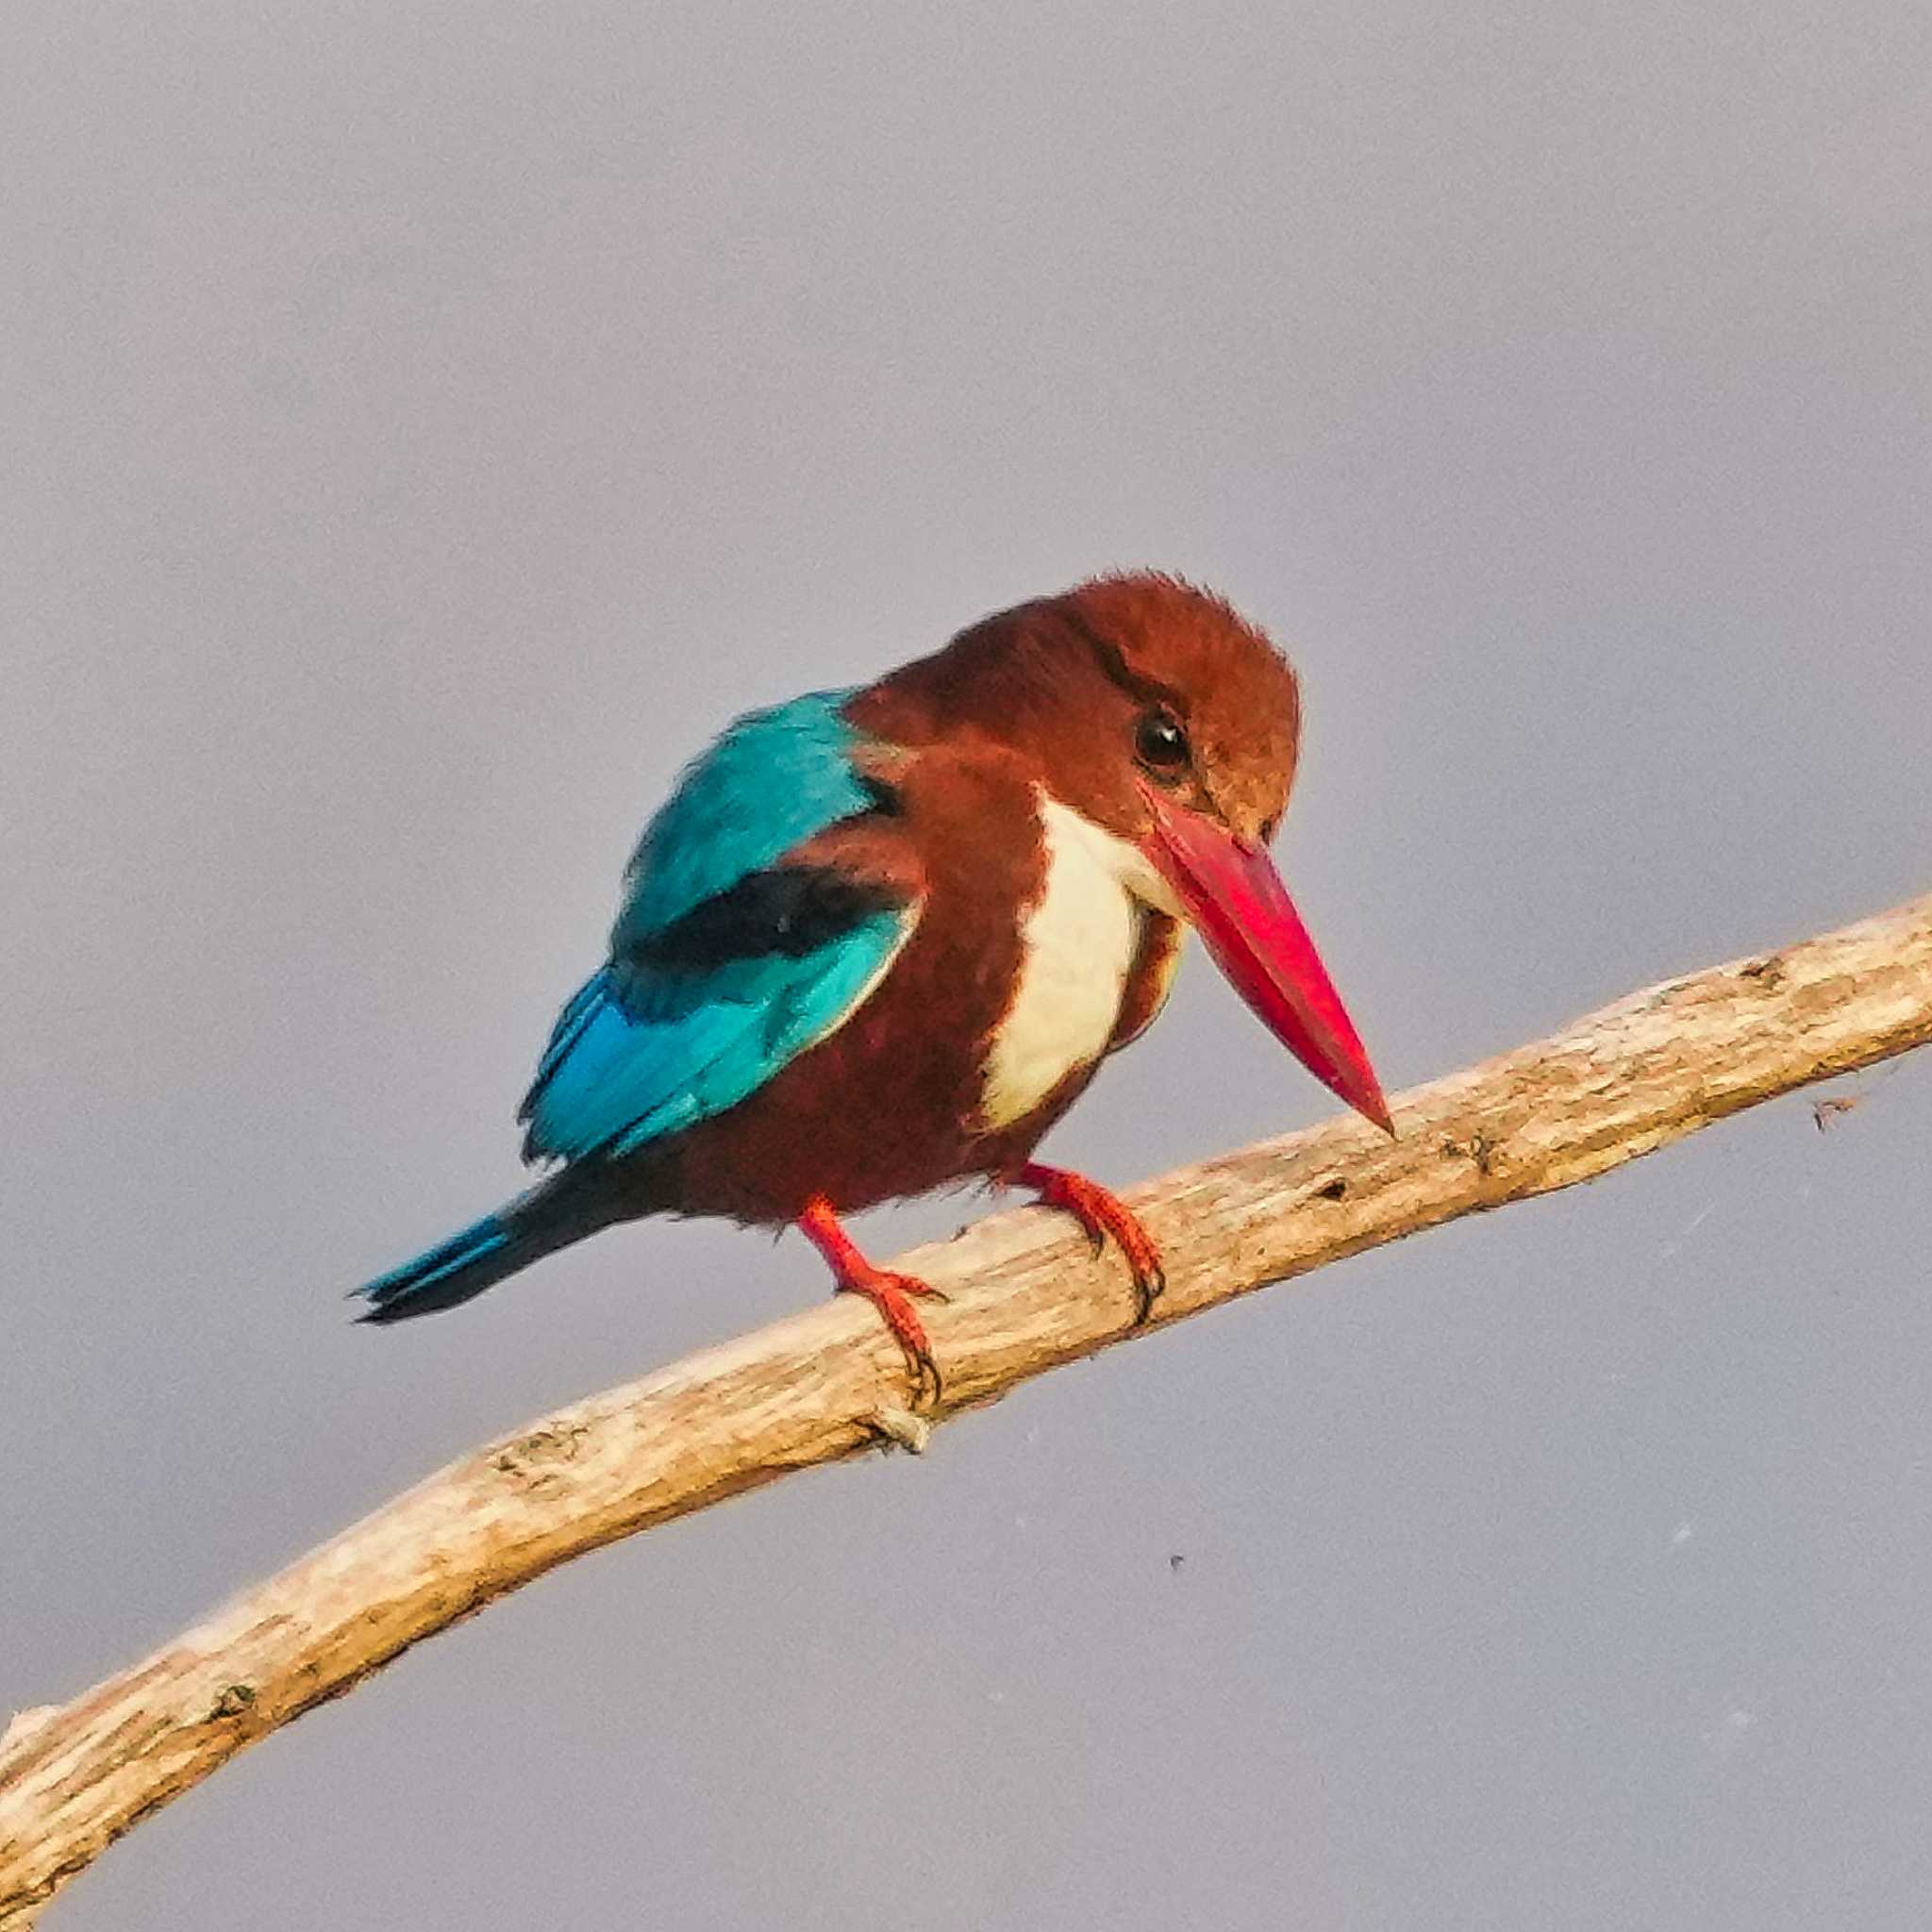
<point>422,427</point>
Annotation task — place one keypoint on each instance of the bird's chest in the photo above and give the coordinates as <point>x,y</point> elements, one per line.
<point>1078,939</point>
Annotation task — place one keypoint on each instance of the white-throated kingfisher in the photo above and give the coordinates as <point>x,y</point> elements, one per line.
<point>878,940</point>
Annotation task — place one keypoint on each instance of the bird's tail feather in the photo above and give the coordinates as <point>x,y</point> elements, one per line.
<point>550,1216</point>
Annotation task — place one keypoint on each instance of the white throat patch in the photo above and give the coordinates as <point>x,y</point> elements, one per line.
<point>1077,944</point>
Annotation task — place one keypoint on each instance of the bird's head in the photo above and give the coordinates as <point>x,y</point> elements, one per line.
<point>1171,726</point>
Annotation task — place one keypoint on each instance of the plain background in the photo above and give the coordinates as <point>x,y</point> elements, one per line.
<point>424,425</point>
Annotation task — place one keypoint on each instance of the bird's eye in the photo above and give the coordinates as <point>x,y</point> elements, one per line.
<point>1160,742</point>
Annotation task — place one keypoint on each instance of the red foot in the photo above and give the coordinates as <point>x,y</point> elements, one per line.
<point>1102,1214</point>
<point>890,1293</point>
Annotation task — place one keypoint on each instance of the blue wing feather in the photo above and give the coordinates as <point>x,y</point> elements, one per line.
<point>639,1053</point>
<point>774,779</point>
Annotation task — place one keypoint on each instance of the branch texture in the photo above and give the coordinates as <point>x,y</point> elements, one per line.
<point>1025,1296</point>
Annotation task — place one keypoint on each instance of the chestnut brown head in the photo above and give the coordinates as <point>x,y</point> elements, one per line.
<point>1171,725</point>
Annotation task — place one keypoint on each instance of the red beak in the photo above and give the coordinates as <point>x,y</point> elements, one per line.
<point>1236,902</point>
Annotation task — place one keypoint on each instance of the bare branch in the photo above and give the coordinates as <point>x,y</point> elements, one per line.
<point>1026,1296</point>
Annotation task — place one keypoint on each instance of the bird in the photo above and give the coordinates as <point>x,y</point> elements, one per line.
<point>879,939</point>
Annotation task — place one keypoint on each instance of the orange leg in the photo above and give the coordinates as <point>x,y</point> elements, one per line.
<point>1101,1214</point>
<point>890,1293</point>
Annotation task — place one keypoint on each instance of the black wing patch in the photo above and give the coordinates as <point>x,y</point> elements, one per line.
<point>785,913</point>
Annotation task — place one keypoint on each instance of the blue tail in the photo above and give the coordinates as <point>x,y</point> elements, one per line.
<point>551,1216</point>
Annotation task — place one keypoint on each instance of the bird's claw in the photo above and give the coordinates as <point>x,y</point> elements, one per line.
<point>927,1386</point>
<point>891,1295</point>
<point>1103,1214</point>
<point>910,1333</point>
<point>1148,1289</point>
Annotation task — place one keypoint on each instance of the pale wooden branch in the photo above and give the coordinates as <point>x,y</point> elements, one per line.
<point>1026,1296</point>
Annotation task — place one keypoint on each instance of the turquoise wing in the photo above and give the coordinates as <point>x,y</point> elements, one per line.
<point>726,961</point>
